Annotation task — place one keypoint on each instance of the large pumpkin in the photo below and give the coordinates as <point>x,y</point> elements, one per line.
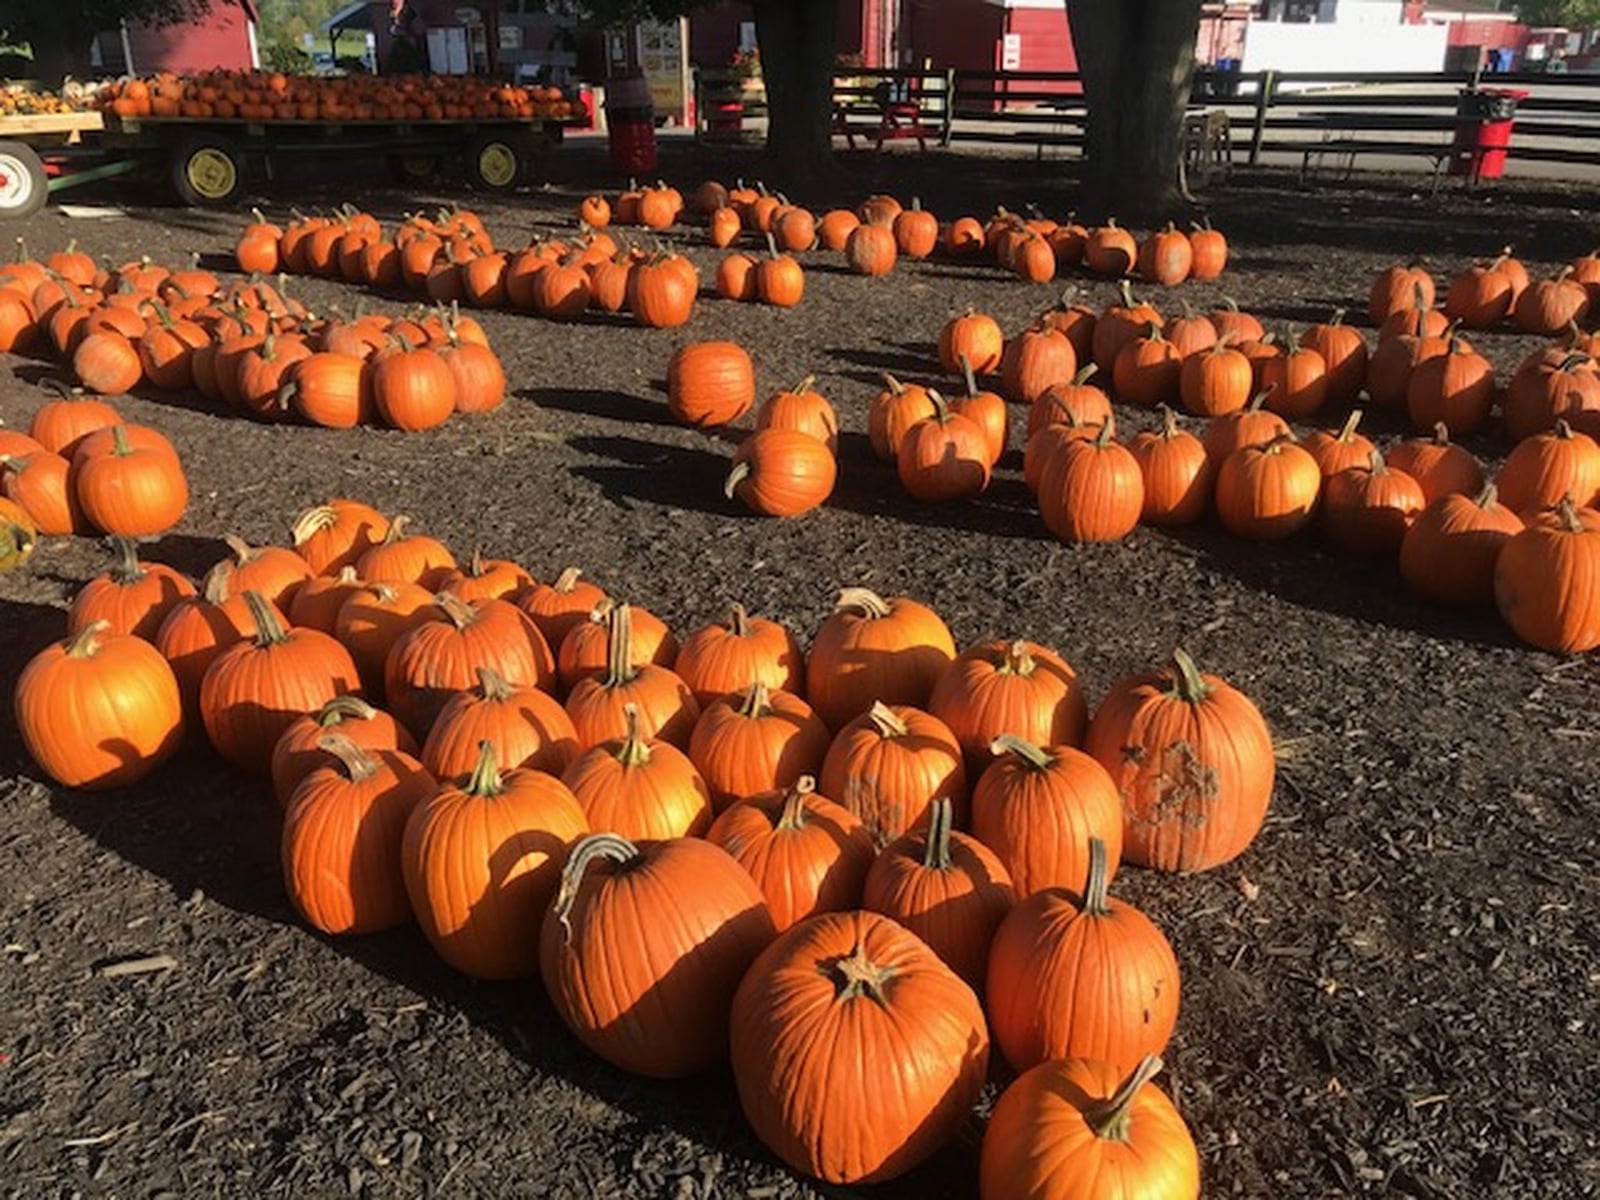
<point>644,948</point>
<point>1268,492</point>
<point>758,742</point>
<point>1038,808</point>
<point>134,597</point>
<point>527,726</point>
<point>482,860</point>
<point>1547,580</point>
<point>1080,975</point>
<point>640,788</point>
<point>947,888</point>
<point>806,853</point>
<point>1450,550</point>
<point>1084,1130</point>
<point>1092,490</point>
<point>857,1053</point>
<point>710,383</point>
<point>1192,760</point>
<point>99,710</point>
<point>342,834</point>
<point>871,649</point>
<point>1544,468</point>
<point>889,764</point>
<point>722,659</point>
<point>1015,687</point>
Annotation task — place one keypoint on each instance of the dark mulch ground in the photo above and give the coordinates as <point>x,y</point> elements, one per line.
<point>1410,1006</point>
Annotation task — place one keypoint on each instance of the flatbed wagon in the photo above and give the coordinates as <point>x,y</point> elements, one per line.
<point>207,160</point>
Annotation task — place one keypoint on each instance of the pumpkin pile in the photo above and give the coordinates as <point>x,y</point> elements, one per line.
<point>19,101</point>
<point>272,96</point>
<point>450,258</point>
<point>878,851</point>
<point>246,344</point>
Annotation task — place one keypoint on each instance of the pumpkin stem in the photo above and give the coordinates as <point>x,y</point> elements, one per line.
<point>218,583</point>
<point>738,621</point>
<point>597,845</point>
<point>794,803</point>
<point>941,407</point>
<point>619,646</point>
<point>1103,438</point>
<point>1347,431</point>
<point>1009,743</point>
<point>936,852</point>
<point>1095,903</point>
<point>1109,1118</point>
<point>313,521</point>
<point>119,441</point>
<point>1375,462</point>
<point>86,643</point>
<point>888,723</point>
<point>757,701</point>
<point>493,684</point>
<point>269,630</point>
<point>1017,660</point>
<point>344,708</point>
<point>737,474</point>
<point>872,605</point>
<point>358,765</point>
<point>485,780</point>
<point>567,581</point>
<point>860,976</point>
<point>1567,514</point>
<point>243,552</point>
<point>128,569</point>
<point>1083,375</point>
<point>397,525</point>
<point>894,385</point>
<point>635,749</point>
<point>967,376</point>
<point>1488,497</point>
<point>1169,421</point>
<point>455,608</point>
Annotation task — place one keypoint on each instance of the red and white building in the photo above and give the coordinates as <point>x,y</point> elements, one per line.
<point>222,34</point>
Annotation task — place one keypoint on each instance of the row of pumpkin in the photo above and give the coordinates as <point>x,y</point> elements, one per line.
<point>246,343</point>
<point>789,820</point>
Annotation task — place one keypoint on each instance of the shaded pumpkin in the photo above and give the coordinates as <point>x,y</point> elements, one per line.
<point>761,741</point>
<point>528,728</point>
<point>870,649</point>
<point>133,597</point>
<point>1368,509</point>
<point>1015,687</point>
<point>1449,552</point>
<point>1178,476</point>
<point>1547,580</point>
<point>298,752</point>
<point>640,788</point>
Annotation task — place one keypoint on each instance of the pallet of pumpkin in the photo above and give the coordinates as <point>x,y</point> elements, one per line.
<point>247,344</point>
<point>878,841</point>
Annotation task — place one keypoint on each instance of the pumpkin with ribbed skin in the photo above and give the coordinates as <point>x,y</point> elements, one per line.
<point>298,753</point>
<point>871,649</point>
<point>483,859</point>
<point>1544,468</point>
<point>441,656</point>
<point>710,383</point>
<point>889,764</point>
<point>412,387</point>
<point>486,579</point>
<point>1166,257</point>
<point>318,600</point>
<point>870,250</point>
<point>645,945</point>
<point>1036,360</point>
<point>986,410</point>
<point>856,1052</point>
<point>1549,386</point>
<point>835,228</point>
<point>1439,465</point>
<point>1479,296</point>
<point>1253,425</point>
<point>1550,305</point>
<point>1146,371</point>
<point>807,854</point>
<point>1037,807</point>
<point>1267,492</point>
<point>724,659</point>
<point>131,490</point>
<point>975,335</point>
<point>803,410</point>
<point>1296,382</point>
<point>758,742</point>
<point>330,389</point>
<point>1233,324</point>
<point>99,710</point>
<point>342,833</point>
<point>640,788</point>
<point>893,412</point>
<point>41,485</point>
<point>1120,324</point>
<point>1368,509</point>
<point>59,425</point>
<point>1547,580</point>
<point>1454,389</point>
<point>1178,477</point>
<point>107,363</point>
<point>1079,402</point>
<point>943,457</point>
<point>598,704</point>
<point>374,618</point>
<point>559,607</point>
<point>1080,975</point>
<point>1091,490</point>
<point>916,231</point>
<point>947,888</point>
<point>1450,550</point>
<point>132,597</point>
<point>1215,381</point>
<point>198,628</point>
<point>585,653</point>
<point>273,571</point>
<point>528,728</point>
<point>1397,288</point>
<point>335,535</point>
<point>1339,450</point>
<point>1110,249</point>
<point>723,227</point>
<point>1192,760</point>
<point>1045,446</point>
<point>1009,687</point>
<point>1344,355</point>
<point>402,557</point>
<point>781,473</point>
<point>256,688</point>
<point>1084,1130</point>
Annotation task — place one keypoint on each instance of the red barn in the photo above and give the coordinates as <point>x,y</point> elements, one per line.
<point>222,35</point>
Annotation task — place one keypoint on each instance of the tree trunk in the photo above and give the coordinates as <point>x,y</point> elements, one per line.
<point>798,40</point>
<point>1137,62</point>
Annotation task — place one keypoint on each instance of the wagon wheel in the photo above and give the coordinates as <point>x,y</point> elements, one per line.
<point>413,168</point>
<point>23,185</point>
<point>206,170</point>
<point>496,162</point>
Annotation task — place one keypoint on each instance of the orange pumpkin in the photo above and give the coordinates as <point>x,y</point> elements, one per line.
<point>725,659</point>
<point>598,704</point>
<point>1014,687</point>
<point>893,412</point>
<point>974,335</point>
<point>871,649</point>
<point>781,473</point>
<point>297,753</point>
<point>1036,360</point>
<point>1091,489</point>
<point>528,728</point>
<point>1439,465</point>
<point>1368,509</point>
<point>943,457</point>
<point>1454,389</point>
<point>889,764</point>
<point>1544,468</point>
<point>131,490</point>
<point>559,607</point>
<point>760,741</point>
<point>803,410</point>
<point>1449,552</point>
<point>585,653</point>
<point>1547,580</point>
<point>640,788</point>
<point>1338,451</point>
<point>1267,492</point>
<point>403,557</point>
<point>870,250</point>
<point>131,598</point>
<point>710,383</point>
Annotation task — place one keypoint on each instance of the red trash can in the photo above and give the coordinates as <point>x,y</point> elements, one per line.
<point>631,122</point>
<point>1484,118</point>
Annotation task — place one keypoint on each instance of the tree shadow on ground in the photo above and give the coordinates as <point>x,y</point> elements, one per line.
<point>657,473</point>
<point>616,406</point>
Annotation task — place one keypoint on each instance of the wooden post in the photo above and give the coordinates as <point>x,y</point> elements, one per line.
<point>1269,80</point>
<point>947,125</point>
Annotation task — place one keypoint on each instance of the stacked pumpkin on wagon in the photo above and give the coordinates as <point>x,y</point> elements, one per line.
<point>793,810</point>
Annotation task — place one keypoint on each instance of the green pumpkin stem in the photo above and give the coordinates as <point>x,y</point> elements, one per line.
<point>86,642</point>
<point>493,685</point>
<point>119,441</point>
<point>1009,743</point>
<point>269,630</point>
<point>128,569</point>
<point>619,646</point>
<point>344,708</point>
<point>1110,1118</point>
<point>1488,497</point>
<point>793,815</point>
<point>597,845</point>
<point>860,976</point>
<point>358,765</point>
<point>872,605</point>
<point>936,853</point>
<point>485,780</point>
<point>1187,683</point>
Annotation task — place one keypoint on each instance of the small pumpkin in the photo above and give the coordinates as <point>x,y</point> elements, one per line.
<point>413,388</point>
<point>889,764</point>
<point>404,557</point>
<point>974,335</point>
<point>273,571</point>
<point>916,231</point>
<point>893,412</point>
<point>1036,360</point>
<point>133,597</point>
<point>1337,451</point>
<point>1449,552</point>
<point>598,705</point>
<point>486,579</point>
<point>872,649</point>
<point>759,741</point>
<point>560,606</point>
<point>132,491</point>
<point>803,409</point>
<point>1454,389</point>
<point>1208,250</point>
<point>1344,354</point>
<point>585,652</point>
<point>781,473</point>
<point>1550,305</point>
<point>373,618</point>
<point>725,659</point>
<point>41,485</point>
<point>870,250</point>
<point>1079,402</point>
<point>1397,288</point>
<point>710,383</point>
<point>1147,370</point>
<point>1110,250</point>
<point>1438,464</point>
<point>298,752</point>
<point>1166,257</point>
<point>1548,386</point>
<point>640,788</point>
<point>1296,382</point>
<point>780,279</point>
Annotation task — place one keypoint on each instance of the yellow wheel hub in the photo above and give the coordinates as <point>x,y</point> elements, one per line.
<point>497,165</point>
<point>211,173</point>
